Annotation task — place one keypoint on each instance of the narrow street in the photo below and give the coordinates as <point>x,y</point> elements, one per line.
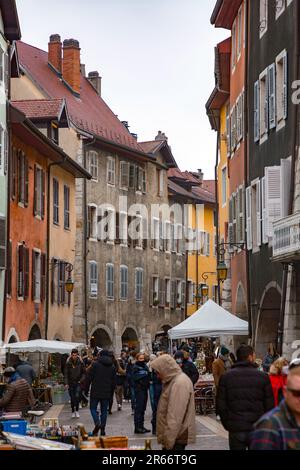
<point>210,433</point>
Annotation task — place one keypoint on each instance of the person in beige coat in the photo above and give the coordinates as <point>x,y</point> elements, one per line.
<point>176,427</point>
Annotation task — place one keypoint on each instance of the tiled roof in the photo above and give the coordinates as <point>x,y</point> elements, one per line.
<point>210,185</point>
<point>40,109</point>
<point>150,147</point>
<point>176,173</point>
<point>89,112</point>
<point>177,189</point>
<point>202,193</point>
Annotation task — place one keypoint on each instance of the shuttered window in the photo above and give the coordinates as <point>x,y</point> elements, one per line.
<point>124,175</point>
<point>123,282</point>
<point>264,104</point>
<point>272,96</point>
<point>23,272</point>
<point>256,112</point>
<point>228,131</point>
<point>282,87</point>
<point>168,292</point>
<point>93,164</point>
<point>13,174</point>
<point>110,281</point>
<point>249,217</point>
<point>93,269</point>
<point>273,196</point>
<point>263,17</point>
<point>55,201</point>
<point>66,208</point>
<point>92,222</point>
<point>258,214</point>
<point>9,267</point>
<point>264,212</point>
<point>23,179</point>
<point>36,276</point>
<point>111,171</point>
<point>139,281</point>
<point>2,243</point>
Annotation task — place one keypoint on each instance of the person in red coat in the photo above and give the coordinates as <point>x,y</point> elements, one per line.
<point>278,379</point>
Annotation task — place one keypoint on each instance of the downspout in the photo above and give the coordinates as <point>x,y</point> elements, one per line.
<point>217,212</point>
<point>246,167</point>
<point>294,161</point>
<point>9,136</point>
<point>48,242</point>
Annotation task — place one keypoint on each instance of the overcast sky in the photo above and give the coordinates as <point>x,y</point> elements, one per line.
<point>156,59</point>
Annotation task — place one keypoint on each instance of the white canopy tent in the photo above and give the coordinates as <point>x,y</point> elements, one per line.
<point>210,320</point>
<point>42,346</point>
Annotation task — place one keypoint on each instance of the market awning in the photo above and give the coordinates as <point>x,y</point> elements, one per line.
<point>210,320</point>
<point>43,346</point>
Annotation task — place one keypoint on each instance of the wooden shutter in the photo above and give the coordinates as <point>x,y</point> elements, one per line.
<point>145,233</point>
<point>35,191</point>
<point>43,276</point>
<point>228,133</point>
<point>256,112</point>
<point>161,293</point>
<point>6,72</point>
<point>285,86</point>
<point>124,170</point>
<point>131,176</point>
<point>26,273</point>
<point>52,290</point>
<point>43,195</point>
<point>33,278</point>
<point>266,106</point>
<point>264,211</point>
<point>258,213</point>
<point>151,291</point>
<point>2,243</point>
<point>285,183</point>
<point>173,295</point>
<point>89,222</point>
<point>144,188</point>
<point>272,96</point>
<point>117,238</point>
<point>9,269</point>
<point>249,217</point>
<point>26,181</point>
<point>20,286</point>
<point>6,147</point>
<point>242,214</point>
<point>13,174</point>
<point>183,294</point>
<point>230,225</point>
<point>63,281</point>
<point>273,196</point>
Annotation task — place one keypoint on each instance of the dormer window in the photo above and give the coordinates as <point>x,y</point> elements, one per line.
<point>53,132</point>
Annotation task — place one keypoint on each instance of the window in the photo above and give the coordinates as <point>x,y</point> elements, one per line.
<point>144,188</point>
<point>23,272</point>
<point>190,292</point>
<point>224,186</point>
<point>179,293</point>
<point>168,292</point>
<point>233,122</point>
<point>110,281</point>
<point>241,215</point>
<point>154,295</point>
<point>93,161</point>
<point>39,192</point>
<point>124,175</point>
<point>249,217</point>
<point>279,8</point>
<point>180,242</point>
<point>55,201</point>
<point>228,132</point>
<point>263,105</point>
<point>61,276</point>
<point>66,207</point>
<point>36,276</point>
<point>233,46</point>
<point>256,215</point>
<point>173,247</point>
<point>123,283</point>
<point>93,279</point>
<point>160,182</point>
<point>215,294</point>
<point>263,17</point>
<point>155,234</point>
<point>53,133</point>
<point>23,179</point>
<point>272,96</point>
<point>281,88</point>
<point>2,243</point>
<point>239,32</point>
<point>111,171</point>
<point>92,222</point>
<point>139,281</point>
<point>13,174</point>
<point>9,264</point>
<point>240,118</point>
<point>168,236</point>
<point>139,179</point>
<point>256,112</point>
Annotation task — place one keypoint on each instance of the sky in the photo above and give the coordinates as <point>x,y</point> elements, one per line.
<point>156,59</point>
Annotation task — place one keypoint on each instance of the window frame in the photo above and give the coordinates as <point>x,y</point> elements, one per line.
<point>110,282</point>
<point>123,283</point>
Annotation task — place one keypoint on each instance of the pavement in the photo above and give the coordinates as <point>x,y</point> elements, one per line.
<point>210,432</point>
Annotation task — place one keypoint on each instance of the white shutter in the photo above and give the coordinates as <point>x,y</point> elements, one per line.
<point>258,213</point>
<point>124,167</point>
<point>285,86</point>
<point>285,181</point>
<point>273,196</point>
<point>230,225</point>
<point>266,106</point>
<point>248,217</point>
<point>242,214</point>
<point>264,212</point>
<point>93,279</point>
<point>228,132</point>
<point>256,112</point>
<point>272,96</point>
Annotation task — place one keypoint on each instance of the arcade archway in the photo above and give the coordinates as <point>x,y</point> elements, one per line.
<point>268,321</point>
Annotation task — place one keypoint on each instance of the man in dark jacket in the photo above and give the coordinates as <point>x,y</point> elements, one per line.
<point>74,375</point>
<point>26,371</point>
<point>187,366</point>
<point>244,395</point>
<point>102,377</point>
<point>141,382</point>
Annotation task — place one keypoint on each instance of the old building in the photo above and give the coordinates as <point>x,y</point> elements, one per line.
<point>10,31</point>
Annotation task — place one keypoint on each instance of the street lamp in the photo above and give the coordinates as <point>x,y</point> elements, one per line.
<point>222,271</point>
<point>69,284</point>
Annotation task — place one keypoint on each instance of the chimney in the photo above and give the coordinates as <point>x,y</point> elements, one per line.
<point>95,80</point>
<point>71,65</point>
<point>55,52</point>
<point>161,136</point>
<point>200,176</point>
<point>82,70</point>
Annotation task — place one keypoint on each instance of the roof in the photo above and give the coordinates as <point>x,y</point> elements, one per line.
<point>150,147</point>
<point>210,185</point>
<point>224,13</point>
<point>154,146</point>
<point>10,18</point>
<point>89,112</point>
<point>41,109</point>
<point>184,183</point>
<point>178,190</point>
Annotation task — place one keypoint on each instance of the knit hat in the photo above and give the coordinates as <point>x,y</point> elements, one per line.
<point>224,351</point>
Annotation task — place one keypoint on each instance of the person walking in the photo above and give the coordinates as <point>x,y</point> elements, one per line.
<point>141,380</point>
<point>155,390</point>
<point>278,379</point>
<point>129,372</point>
<point>176,427</point>
<point>26,371</point>
<point>220,365</point>
<point>188,367</point>
<point>120,380</point>
<point>18,395</point>
<point>74,375</point>
<point>102,379</point>
<point>280,428</point>
<point>244,395</point>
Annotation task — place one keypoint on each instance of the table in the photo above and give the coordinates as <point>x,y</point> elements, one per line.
<point>42,394</point>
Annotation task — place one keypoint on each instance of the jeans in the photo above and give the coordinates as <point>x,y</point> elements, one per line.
<point>119,394</point>
<point>104,404</point>
<point>141,397</point>
<point>154,392</point>
<point>132,398</point>
<point>75,395</point>
<point>238,440</point>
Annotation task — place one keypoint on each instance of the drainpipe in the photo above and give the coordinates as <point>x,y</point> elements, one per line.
<point>48,243</point>
<point>295,146</point>
<point>217,212</point>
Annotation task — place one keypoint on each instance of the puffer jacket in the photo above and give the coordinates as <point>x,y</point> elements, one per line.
<point>176,408</point>
<point>244,395</point>
<point>18,396</point>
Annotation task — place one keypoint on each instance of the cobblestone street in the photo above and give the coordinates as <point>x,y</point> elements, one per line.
<point>210,433</point>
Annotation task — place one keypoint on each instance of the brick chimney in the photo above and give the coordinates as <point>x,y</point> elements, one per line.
<point>161,136</point>
<point>95,80</point>
<point>55,52</point>
<point>200,176</point>
<point>71,65</point>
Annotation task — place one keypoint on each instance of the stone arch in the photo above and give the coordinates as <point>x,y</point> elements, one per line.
<point>241,312</point>
<point>35,333</point>
<point>268,319</point>
<point>101,337</point>
<point>12,336</point>
<point>130,338</point>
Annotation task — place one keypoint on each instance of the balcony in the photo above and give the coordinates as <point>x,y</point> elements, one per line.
<point>286,242</point>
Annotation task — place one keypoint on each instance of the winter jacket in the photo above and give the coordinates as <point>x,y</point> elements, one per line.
<point>189,368</point>
<point>244,395</point>
<point>102,377</point>
<point>121,372</point>
<point>74,372</point>
<point>176,408</point>
<point>17,397</point>
<point>140,376</point>
<point>26,371</point>
<point>218,369</point>
<point>278,383</point>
